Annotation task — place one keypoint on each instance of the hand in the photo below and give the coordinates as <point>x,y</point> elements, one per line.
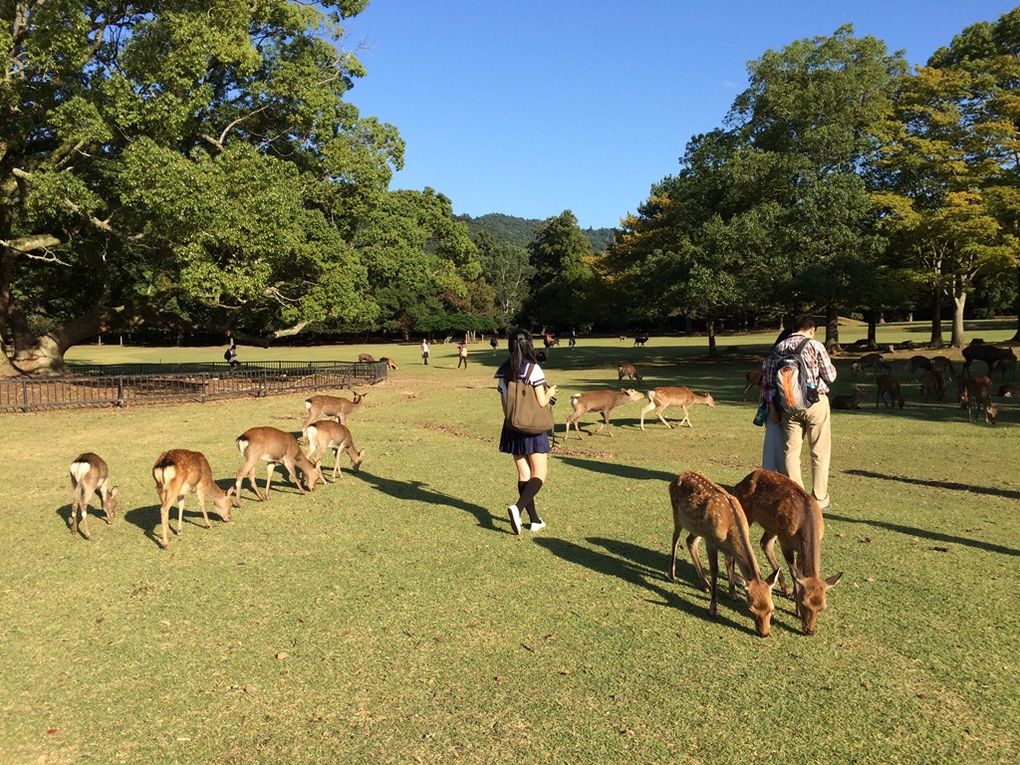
<point>551,389</point>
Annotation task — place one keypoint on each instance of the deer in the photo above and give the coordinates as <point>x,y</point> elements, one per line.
<point>788,513</point>
<point>874,361</point>
<point>334,407</point>
<point>943,365</point>
<point>1009,391</point>
<point>641,340</point>
<point>390,363</point>
<point>90,474</point>
<point>1004,365</point>
<point>273,446</point>
<point>366,357</point>
<point>660,399</point>
<point>919,364</point>
<point>752,379</point>
<point>628,370</point>
<point>848,401</point>
<point>707,511</point>
<point>603,401</point>
<point>976,394</point>
<point>179,472</point>
<point>933,386</point>
<point>326,434</point>
<point>994,357</point>
<point>888,391</point>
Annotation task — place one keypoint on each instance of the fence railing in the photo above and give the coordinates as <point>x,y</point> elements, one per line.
<point>134,389</point>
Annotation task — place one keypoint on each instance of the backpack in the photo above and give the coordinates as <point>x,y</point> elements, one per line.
<point>789,379</point>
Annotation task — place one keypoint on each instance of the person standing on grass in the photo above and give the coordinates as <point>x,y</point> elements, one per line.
<point>813,422</point>
<point>425,351</point>
<point>461,354</point>
<point>231,352</point>
<point>530,453</point>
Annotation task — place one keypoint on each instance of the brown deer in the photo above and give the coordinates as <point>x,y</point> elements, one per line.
<point>888,391</point>
<point>943,365</point>
<point>919,364</point>
<point>390,364</point>
<point>994,357</point>
<point>334,407</point>
<point>628,370</point>
<point>179,472</point>
<point>848,401</point>
<point>752,379</point>
<point>641,340</point>
<point>603,401</point>
<point>709,512</point>
<point>791,515</point>
<point>933,386</point>
<point>89,474</point>
<point>326,434</point>
<point>660,399</point>
<point>273,446</point>
<point>874,361</point>
<point>366,357</point>
<point>976,395</point>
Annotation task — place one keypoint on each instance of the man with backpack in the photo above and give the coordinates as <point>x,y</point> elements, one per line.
<point>798,372</point>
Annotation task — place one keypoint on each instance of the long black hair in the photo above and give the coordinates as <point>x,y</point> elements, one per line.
<point>521,352</point>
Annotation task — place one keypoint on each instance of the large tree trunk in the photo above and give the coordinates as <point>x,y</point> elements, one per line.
<point>959,301</point>
<point>711,337</point>
<point>936,317</point>
<point>872,328</point>
<point>831,326</point>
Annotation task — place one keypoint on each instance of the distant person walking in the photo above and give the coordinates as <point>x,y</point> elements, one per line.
<point>529,452</point>
<point>573,338</point>
<point>425,351</point>
<point>230,355</point>
<point>461,354</point>
<point>493,342</point>
<point>813,421</point>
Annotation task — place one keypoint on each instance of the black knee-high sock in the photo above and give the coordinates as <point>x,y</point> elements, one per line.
<point>528,490</point>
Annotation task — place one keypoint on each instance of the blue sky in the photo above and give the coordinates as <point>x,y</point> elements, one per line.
<point>530,108</point>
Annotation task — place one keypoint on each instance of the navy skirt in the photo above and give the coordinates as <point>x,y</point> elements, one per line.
<point>518,444</point>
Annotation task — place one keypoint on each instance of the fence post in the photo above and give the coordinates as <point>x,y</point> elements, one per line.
<point>120,391</point>
<point>26,404</point>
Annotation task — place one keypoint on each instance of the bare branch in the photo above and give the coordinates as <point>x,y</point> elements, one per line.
<point>48,257</point>
<point>218,142</point>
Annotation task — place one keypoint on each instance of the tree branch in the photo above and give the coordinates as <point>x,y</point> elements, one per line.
<point>27,244</point>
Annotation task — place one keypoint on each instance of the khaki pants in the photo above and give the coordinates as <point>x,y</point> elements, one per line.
<point>813,423</point>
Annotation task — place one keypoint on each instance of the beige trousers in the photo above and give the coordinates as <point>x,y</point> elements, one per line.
<point>813,423</point>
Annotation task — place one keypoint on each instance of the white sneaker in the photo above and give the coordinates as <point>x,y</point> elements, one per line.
<point>537,526</point>
<point>515,518</point>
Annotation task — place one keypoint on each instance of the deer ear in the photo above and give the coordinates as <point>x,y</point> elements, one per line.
<point>831,581</point>
<point>772,578</point>
<point>114,491</point>
<point>796,574</point>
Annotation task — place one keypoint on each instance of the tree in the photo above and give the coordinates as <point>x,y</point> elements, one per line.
<point>181,162</point>
<point>561,257</point>
<point>508,269</point>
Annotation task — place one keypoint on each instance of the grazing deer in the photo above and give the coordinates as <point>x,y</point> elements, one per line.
<point>179,472</point>
<point>1009,391</point>
<point>628,370</point>
<point>888,391</point>
<point>976,395</point>
<point>919,364</point>
<point>848,401</point>
<point>273,446</point>
<point>333,407</point>
<point>90,474</point>
<point>752,379</point>
<point>874,361</point>
<point>660,399</point>
<point>366,357</point>
<point>933,386</point>
<point>623,338</point>
<point>390,364</point>
<point>1004,365</point>
<point>326,434</point>
<point>943,365</point>
<point>603,401</point>
<point>791,515</point>
<point>641,340</point>
<point>708,512</point>
<point>994,357</point>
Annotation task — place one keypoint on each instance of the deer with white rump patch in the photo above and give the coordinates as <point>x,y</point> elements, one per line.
<point>976,395</point>
<point>333,407</point>
<point>89,474</point>
<point>709,512</point>
<point>661,399</point>
<point>326,434</point>
<point>603,401</point>
<point>626,369</point>
<point>791,515</point>
<point>273,446</point>
<point>180,472</point>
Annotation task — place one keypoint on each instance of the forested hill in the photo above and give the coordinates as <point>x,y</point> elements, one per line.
<point>520,231</point>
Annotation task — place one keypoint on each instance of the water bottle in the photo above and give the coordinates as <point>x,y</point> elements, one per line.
<point>761,415</point>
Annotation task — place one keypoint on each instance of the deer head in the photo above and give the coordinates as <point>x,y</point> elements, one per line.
<point>811,598</point>
<point>631,394</point>
<point>759,599</point>
<point>111,500</point>
<point>356,464</point>
<point>224,503</point>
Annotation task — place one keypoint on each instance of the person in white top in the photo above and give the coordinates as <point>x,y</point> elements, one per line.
<point>425,351</point>
<point>530,453</point>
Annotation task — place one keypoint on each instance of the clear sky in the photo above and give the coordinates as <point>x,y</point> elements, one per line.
<point>532,107</point>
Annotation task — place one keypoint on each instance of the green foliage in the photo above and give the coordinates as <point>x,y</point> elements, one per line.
<point>561,258</point>
<point>519,232</point>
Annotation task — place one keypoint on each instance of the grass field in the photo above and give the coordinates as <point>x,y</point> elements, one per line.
<point>393,617</point>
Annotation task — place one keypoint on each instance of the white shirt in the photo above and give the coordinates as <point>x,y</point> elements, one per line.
<point>531,373</point>
<point>424,347</point>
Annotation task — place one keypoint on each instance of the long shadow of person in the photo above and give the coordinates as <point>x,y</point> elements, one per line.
<point>610,565</point>
<point>416,491</point>
<point>616,469</point>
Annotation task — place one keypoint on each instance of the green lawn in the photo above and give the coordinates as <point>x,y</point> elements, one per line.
<point>393,618</point>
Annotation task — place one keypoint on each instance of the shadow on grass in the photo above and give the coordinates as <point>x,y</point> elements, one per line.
<point>416,491</point>
<point>929,534</point>
<point>1008,493</point>
<point>95,513</point>
<point>637,574</point>
<point>616,469</point>
<point>147,519</point>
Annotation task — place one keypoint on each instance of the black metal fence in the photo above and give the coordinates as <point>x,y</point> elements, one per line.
<point>139,384</point>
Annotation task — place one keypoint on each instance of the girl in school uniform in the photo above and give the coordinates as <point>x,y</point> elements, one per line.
<point>530,453</point>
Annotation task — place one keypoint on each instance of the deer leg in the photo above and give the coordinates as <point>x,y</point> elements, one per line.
<point>86,497</point>
<point>661,411</point>
<point>768,546</point>
<point>336,462</point>
<point>75,506</point>
<point>692,548</point>
<point>790,555</point>
<point>180,514</point>
<point>605,421</point>
<point>164,520</point>
<point>644,411</point>
<point>713,567</point>
<point>104,499</point>
<point>288,462</point>
<point>731,577</point>
<point>687,417</point>
<point>270,468</point>
<point>671,573</point>
<point>201,504</point>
